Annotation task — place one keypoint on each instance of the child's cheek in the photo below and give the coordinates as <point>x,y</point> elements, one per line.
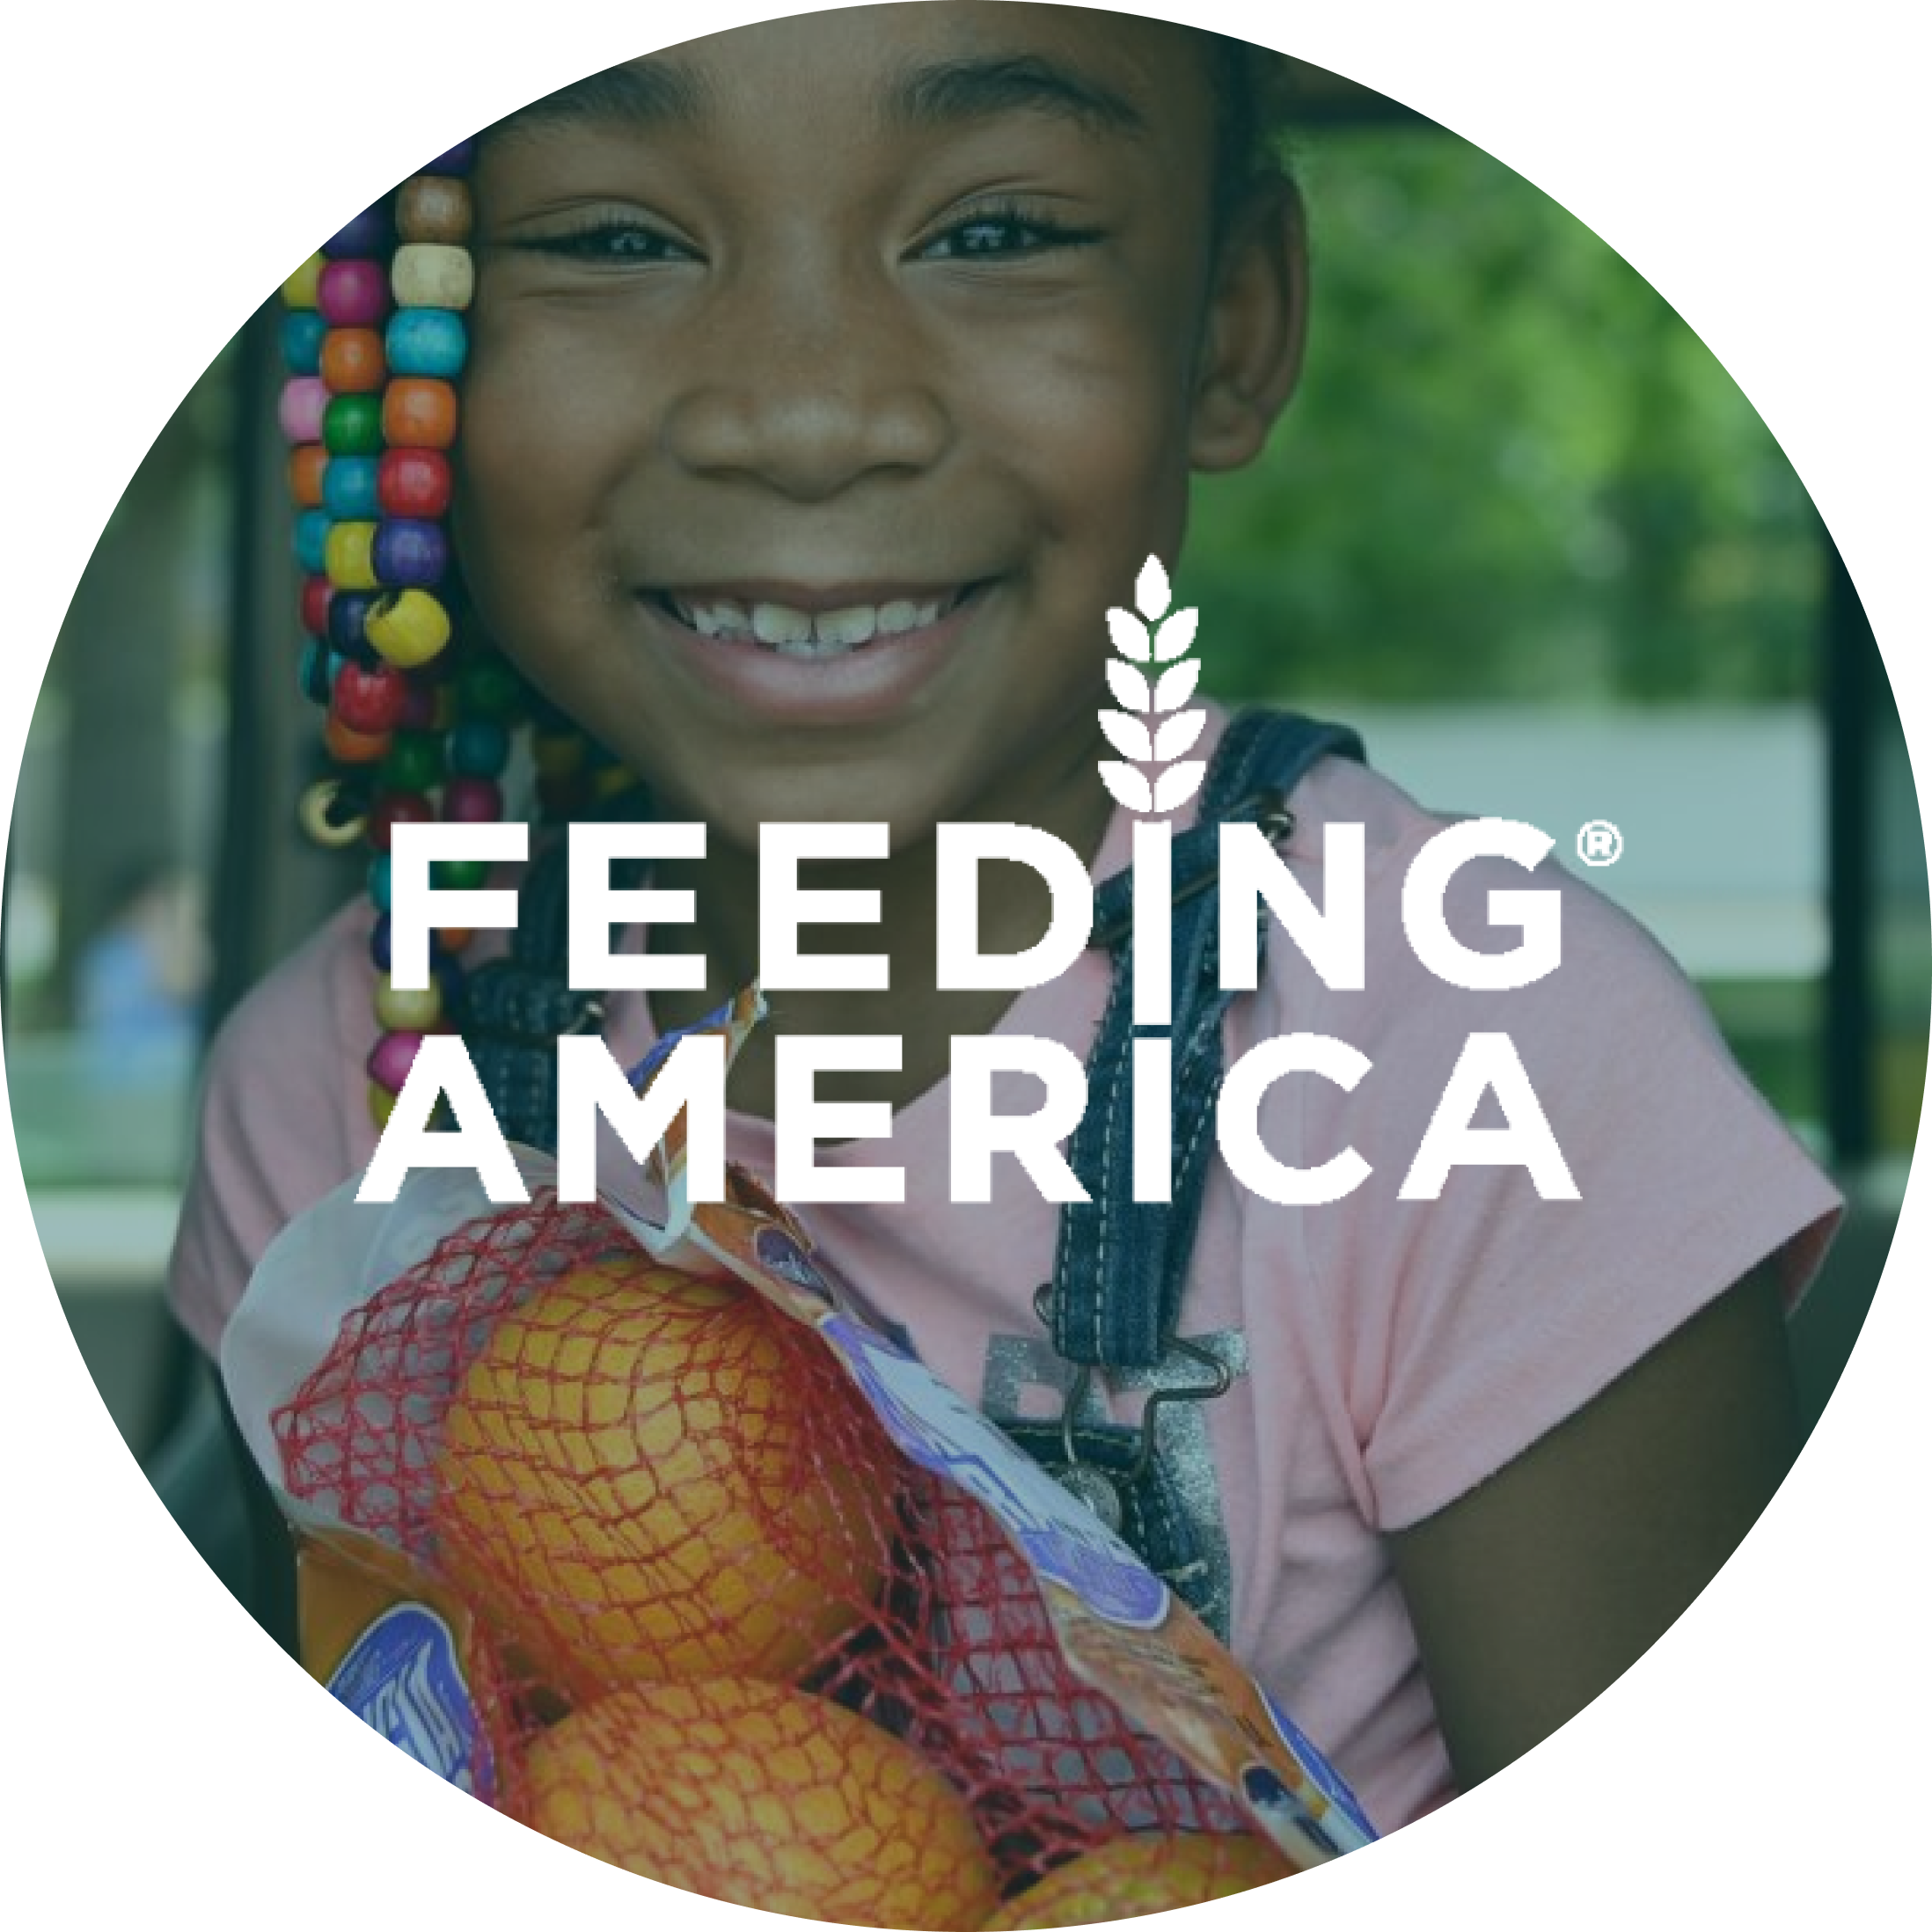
<point>537,462</point>
<point>1107,423</point>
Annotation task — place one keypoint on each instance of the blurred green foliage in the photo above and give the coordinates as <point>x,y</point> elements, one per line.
<point>1511,472</point>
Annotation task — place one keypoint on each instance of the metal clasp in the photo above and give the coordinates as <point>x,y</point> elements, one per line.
<point>1221,1378</point>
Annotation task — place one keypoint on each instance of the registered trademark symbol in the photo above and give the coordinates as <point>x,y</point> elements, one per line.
<point>1599,842</point>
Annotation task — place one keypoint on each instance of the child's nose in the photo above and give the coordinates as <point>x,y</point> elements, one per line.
<point>809,396</point>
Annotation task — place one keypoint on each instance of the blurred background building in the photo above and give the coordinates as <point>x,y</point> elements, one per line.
<point>1520,527</point>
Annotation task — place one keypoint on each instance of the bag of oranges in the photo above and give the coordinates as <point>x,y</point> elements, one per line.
<point>639,1531</point>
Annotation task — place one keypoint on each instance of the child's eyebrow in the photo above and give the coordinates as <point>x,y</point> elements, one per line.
<point>979,89</point>
<point>650,93</point>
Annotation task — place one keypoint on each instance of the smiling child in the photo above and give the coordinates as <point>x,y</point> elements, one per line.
<point>827,380</point>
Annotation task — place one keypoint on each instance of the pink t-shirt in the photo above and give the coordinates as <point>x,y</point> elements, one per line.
<point>1388,1355</point>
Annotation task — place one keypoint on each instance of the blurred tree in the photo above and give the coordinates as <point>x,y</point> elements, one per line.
<point>1512,470</point>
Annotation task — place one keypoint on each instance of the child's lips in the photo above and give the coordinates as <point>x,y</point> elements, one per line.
<point>841,655</point>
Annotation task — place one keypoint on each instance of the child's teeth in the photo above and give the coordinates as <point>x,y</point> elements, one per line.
<point>847,627</point>
<point>779,624</point>
<point>798,633</point>
<point>719,620</point>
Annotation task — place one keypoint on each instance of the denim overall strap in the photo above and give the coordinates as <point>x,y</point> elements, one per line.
<point>1122,1265</point>
<point>1113,1306</point>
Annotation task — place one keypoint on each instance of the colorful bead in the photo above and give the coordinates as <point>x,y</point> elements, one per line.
<point>353,295</point>
<point>304,399</point>
<point>308,462</point>
<point>347,746</point>
<point>368,699</point>
<point>391,1057</point>
<point>414,483</point>
<point>302,289</point>
<point>432,276</point>
<point>301,333</point>
<point>426,342</point>
<point>351,561</point>
<point>420,705</point>
<point>366,234</point>
<point>314,606</point>
<point>459,874</point>
<point>409,628</point>
<point>410,550</point>
<point>473,800</point>
<point>487,687</point>
<point>312,539</point>
<point>348,612</point>
<point>403,1010</point>
<point>478,748</point>
<point>353,362</point>
<point>329,813</point>
<point>348,490</point>
<point>415,763</point>
<point>373,341</point>
<point>353,425</point>
<point>433,207</point>
<point>420,413</point>
<point>394,808</point>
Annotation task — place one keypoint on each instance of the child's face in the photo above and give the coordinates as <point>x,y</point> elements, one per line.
<point>893,326</point>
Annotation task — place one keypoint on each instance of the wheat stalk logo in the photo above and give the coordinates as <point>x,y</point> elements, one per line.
<point>1151,729</point>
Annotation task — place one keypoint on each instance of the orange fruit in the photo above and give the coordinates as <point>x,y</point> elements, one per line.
<point>762,1795</point>
<point>645,1476</point>
<point>1129,1878</point>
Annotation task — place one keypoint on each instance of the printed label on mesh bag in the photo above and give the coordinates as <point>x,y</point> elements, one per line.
<point>402,1677</point>
<point>384,1639</point>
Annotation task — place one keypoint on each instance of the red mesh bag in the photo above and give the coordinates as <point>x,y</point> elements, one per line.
<point>723,1632</point>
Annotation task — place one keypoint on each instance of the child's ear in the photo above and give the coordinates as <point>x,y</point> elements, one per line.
<point>1256,325</point>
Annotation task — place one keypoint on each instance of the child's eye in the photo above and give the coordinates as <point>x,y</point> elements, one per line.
<point>616,244</point>
<point>995,231</point>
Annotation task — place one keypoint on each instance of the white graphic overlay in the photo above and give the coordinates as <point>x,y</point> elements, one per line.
<point>1151,729</point>
<point>1599,842</point>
